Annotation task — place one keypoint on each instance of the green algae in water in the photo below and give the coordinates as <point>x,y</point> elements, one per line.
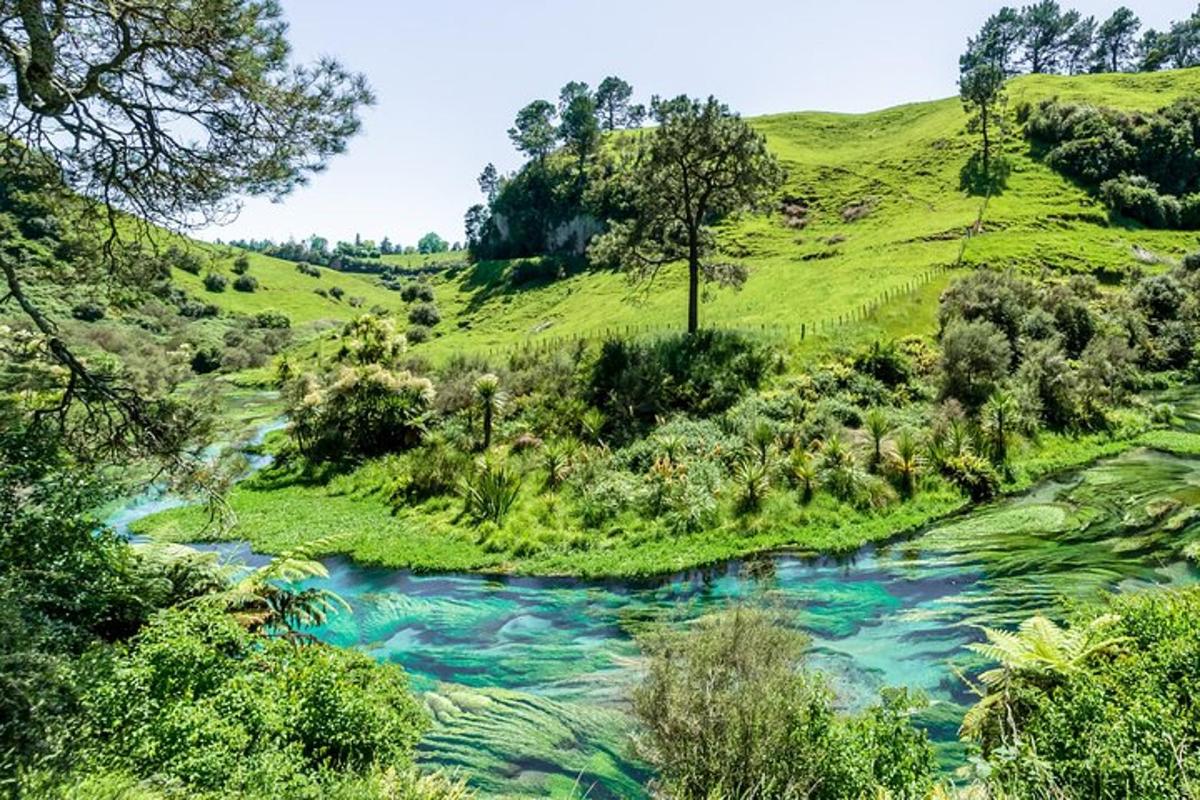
<point>526,678</point>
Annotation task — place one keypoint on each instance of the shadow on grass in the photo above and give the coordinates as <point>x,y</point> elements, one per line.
<point>489,280</point>
<point>296,471</point>
<point>975,180</point>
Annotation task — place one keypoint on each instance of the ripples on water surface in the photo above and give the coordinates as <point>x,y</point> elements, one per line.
<point>524,676</point>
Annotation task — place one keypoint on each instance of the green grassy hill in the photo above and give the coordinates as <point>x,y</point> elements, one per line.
<point>884,207</point>
<point>283,288</point>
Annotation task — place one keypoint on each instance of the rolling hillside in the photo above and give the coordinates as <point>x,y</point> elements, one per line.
<point>283,288</point>
<point>883,207</point>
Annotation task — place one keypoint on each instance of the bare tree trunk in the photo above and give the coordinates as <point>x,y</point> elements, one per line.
<point>987,145</point>
<point>693,291</point>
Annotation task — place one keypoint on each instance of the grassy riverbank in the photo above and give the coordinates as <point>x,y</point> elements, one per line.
<point>281,508</point>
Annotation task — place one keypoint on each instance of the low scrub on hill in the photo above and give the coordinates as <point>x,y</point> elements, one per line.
<point>654,455</point>
<point>1143,165</point>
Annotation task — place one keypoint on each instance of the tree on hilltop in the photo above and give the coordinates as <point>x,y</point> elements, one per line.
<point>1046,27</point>
<point>533,133</point>
<point>432,243</point>
<point>613,105</point>
<point>700,163</point>
<point>1116,39</point>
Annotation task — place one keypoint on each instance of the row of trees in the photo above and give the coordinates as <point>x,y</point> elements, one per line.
<point>1046,38</point>
<point>578,118</point>
<point>532,211</point>
<point>317,250</point>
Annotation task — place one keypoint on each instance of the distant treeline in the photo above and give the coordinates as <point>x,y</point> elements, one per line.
<point>361,255</point>
<point>1046,38</point>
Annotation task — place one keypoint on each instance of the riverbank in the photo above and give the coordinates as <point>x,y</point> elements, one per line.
<point>280,508</point>
<point>526,677</point>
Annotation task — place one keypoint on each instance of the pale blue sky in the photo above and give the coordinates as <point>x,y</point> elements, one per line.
<point>450,74</point>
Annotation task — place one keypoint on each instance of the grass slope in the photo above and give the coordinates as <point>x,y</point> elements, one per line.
<point>903,164</point>
<point>283,288</point>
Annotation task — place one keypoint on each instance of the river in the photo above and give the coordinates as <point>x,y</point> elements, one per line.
<point>525,677</point>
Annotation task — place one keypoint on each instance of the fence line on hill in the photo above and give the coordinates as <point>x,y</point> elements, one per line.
<point>799,330</point>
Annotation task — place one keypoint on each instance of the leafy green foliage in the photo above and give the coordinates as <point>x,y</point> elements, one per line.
<point>362,411</point>
<point>215,282</point>
<point>705,373</point>
<point>727,711</point>
<point>1100,709</point>
<point>245,283</point>
<point>1144,166</point>
<point>973,475</point>
<point>490,490</point>
<point>976,357</point>
<point>196,699</point>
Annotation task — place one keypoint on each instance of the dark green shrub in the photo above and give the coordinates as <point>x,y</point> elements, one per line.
<point>188,261</point>
<point>537,270</point>
<point>725,712</point>
<point>1001,298</point>
<point>417,334</point>
<point>245,283</point>
<point>1140,200</point>
<point>1073,318</point>
<point>417,290</point>
<point>215,282</point>
<point>976,357</point>
<point>337,292</point>
<point>1092,160</point>
<point>309,270</point>
<point>1177,342</point>
<point>703,373</point>
<point>206,359</point>
<point>426,314</point>
<point>241,264</point>
<point>275,320</point>
<point>885,363</point>
<point>972,475</point>
<point>1189,212</point>
<point>88,312</point>
<point>194,309</point>
<point>1159,297</point>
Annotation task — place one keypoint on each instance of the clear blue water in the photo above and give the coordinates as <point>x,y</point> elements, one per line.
<point>525,677</point>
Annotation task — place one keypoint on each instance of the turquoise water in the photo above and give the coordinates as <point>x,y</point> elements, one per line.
<point>525,677</point>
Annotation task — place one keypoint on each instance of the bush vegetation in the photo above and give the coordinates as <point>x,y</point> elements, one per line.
<point>727,710</point>
<point>158,673</point>
<point>1143,166</point>
<point>714,444</point>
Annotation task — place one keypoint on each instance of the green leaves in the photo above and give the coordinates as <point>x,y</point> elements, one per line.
<point>700,164</point>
